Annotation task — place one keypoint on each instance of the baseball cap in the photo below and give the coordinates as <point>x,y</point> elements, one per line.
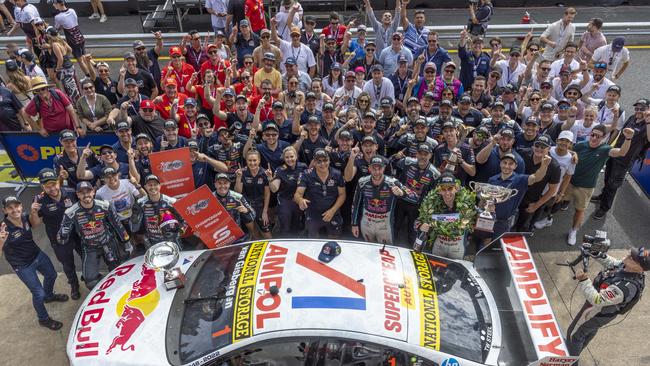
<point>345,135</point>
<point>265,31</point>
<point>192,144</point>
<point>244,23</point>
<point>361,28</point>
<point>563,101</point>
<point>531,120</point>
<point>269,56</point>
<point>510,88</point>
<point>350,74</point>
<point>565,69</point>
<point>449,63</point>
<point>420,121</point>
<point>175,51</point>
<point>130,81</point>
<point>378,160</point>
<point>448,124</point>
<point>425,147</point>
<point>482,130</point>
<point>376,67</point>
<point>151,177</point>
<point>211,45</point>
<point>67,135</point>
<point>566,135</point>
<point>46,175</point>
<point>147,103</point>
<point>11,65</point>
<point>142,136</point>
<point>429,65</point>
<point>369,139</point>
<point>618,43</point>
<point>575,87</point>
<point>313,119</point>
<point>402,58</point>
<point>412,99</point>
<point>84,185</point>
<point>614,88</point>
<point>121,126</point>
<point>310,19</point>
<point>641,256</point>
<point>277,105</point>
<point>138,43</point>
<point>447,179</point>
<point>446,103</point>
<point>241,96</point>
<point>106,146</point>
<point>515,49</point>
<point>429,95</point>
<point>108,171</point>
<point>498,103</point>
<point>370,114</point>
<point>328,107</point>
<point>547,105</point>
<point>295,30</point>
<point>336,66</point>
<point>222,176</point>
<point>190,101</point>
<point>229,92</point>
<point>330,250</point>
<point>290,61</point>
<point>9,200</point>
<point>507,132</point>
<point>271,125</point>
<point>330,38</point>
<point>386,102</point>
<point>360,69</point>
<point>321,154</point>
<point>170,124</point>
<point>310,95</point>
<point>202,116</point>
<point>465,99</point>
<point>129,55</point>
<point>510,156</point>
<point>643,102</point>
<point>544,140</point>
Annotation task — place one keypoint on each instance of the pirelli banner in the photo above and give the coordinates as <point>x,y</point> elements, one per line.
<point>30,152</point>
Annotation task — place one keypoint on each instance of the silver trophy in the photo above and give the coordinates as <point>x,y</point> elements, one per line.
<point>491,195</point>
<point>452,161</point>
<point>164,256</point>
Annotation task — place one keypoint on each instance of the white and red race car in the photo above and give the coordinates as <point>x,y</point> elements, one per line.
<point>275,303</point>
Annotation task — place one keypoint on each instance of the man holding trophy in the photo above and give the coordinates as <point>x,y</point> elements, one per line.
<point>501,197</point>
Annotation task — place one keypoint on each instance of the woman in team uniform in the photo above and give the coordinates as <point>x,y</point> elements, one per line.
<point>252,182</point>
<point>284,183</point>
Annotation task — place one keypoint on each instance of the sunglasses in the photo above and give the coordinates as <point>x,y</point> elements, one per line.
<point>147,110</point>
<point>600,65</point>
<point>639,109</point>
<point>534,99</point>
<point>204,125</point>
<point>140,49</point>
<point>322,161</point>
<point>106,152</point>
<point>103,71</point>
<point>545,68</point>
<point>546,87</point>
<point>363,101</point>
<point>196,38</point>
<point>596,135</point>
<point>370,50</point>
<point>265,37</point>
<point>571,93</point>
<point>397,38</point>
<point>534,49</point>
<point>248,62</point>
<point>449,71</point>
<point>540,146</point>
<point>89,87</point>
<point>430,72</point>
<point>245,77</point>
<point>212,52</point>
<point>563,107</point>
<point>295,35</point>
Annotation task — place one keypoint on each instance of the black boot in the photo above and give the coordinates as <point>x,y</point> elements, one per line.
<point>74,292</point>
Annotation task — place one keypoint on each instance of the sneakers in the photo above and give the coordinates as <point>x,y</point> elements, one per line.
<point>74,293</point>
<point>545,222</point>
<point>56,298</point>
<point>571,239</point>
<point>599,214</point>
<point>564,205</point>
<point>103,19</point>
<point>50,324</point>
<point>595,198</point>
<point>94,16</point>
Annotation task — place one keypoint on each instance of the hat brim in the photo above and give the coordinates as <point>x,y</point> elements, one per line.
<point>325,257</point>
<point>41,86</point>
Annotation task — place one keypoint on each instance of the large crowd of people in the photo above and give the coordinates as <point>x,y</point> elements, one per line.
<point>336,134</point>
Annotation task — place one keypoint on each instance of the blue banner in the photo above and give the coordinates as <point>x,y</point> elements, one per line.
<point>30,152</point>
<point>643,176</point>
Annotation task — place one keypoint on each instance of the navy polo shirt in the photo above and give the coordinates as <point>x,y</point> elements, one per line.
<point>472,66</point>
<point>289,180</point>
<point>180,142</point>
<point>52,211</point>
<point>273,157</point>
<point>120,151</point>
<point>202,173</point>
<point>123,171</point>
<point>253,186</point>
<point>308,147</point>
<point>321,195</point>
<point>20,248</point>
<point>493,165</point>
<point>516,181</point>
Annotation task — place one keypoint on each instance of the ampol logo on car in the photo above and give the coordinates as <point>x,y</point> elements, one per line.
<point>133,308</point>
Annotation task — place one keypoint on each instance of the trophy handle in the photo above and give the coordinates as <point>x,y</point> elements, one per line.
<point>513,193</point>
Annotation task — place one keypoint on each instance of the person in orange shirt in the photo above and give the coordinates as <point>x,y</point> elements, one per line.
<point>254,10</point>
<point>217,65</point>
<point>178,69</point>
<point>171,103</point>
<point>187,124</point>
<point>245,86</point>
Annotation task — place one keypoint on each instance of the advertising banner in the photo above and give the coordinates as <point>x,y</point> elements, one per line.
<point>174,169</point>
<point>208,219</point>
<point>30,152</point>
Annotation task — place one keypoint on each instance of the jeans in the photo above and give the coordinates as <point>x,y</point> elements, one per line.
<point>28,274</point>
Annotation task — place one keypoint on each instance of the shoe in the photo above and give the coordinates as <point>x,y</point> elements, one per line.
<point>50,324</point>
<point>545,222</point>
<point>599,214</point>
<point>94,16</point>
<point>595,198</point>
<point>103,19</point>
<point>564,206</point>
<point>74,293</point>
<point>571,240</point>
<point>56,298</point>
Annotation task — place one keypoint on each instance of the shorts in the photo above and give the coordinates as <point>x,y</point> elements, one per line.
<point>580,196</point>
<point>78,50</point>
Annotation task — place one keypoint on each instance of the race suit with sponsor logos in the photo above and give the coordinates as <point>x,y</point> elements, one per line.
<point>98,229</point>
<point>373,208</point>
<point>149,215</point>
<point>614,291</point>
<point>231,201</point>
<point>230,156</point>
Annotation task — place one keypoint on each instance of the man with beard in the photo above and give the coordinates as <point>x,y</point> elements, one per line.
<point>203,167</point>
<point>330,54</point>
<point>469,116</point>
<point>407,122</point>
<point>598,85</point>
<point>139,164</point>
<point>228,152</point>
<point>144,80</point>
<point>124,141</point>
<point>270,149</point>
<point>178,69</point>
<point>368,124</point>
<point>129,105</point>
<point>194,52</point>
<point>474,62</point>
<point>48,208</point>
<point>480,99</point>
<point>541,75</point>
<point>234,203</point>
<point>147,121</point>
<point>435,126</point>
<point>169,139</point>
<point>419,176</point>
<point>66,162</point>
<point>557,34</point>
<point>187,122</point>
<point>148,59</point>
<point>172,103</point>
<point>489,158</point>
<point>95,223</point>
<point>497,121</point>
<point>107,157</point>
<point>407,143</point>
<point>331,124</point>
<point>387,116</point>
<point>454,156</point>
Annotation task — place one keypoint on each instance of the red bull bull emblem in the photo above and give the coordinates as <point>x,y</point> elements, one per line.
<point>168,166</point>
<point>197,207</point>
<point>133,308</point>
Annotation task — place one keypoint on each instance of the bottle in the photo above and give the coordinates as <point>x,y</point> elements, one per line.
<point>421,239</point>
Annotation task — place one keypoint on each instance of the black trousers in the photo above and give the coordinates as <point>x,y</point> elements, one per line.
<point>405,216</point>
<point>615,171</point>
<point>526,220</point>
<point>578,339</point>
<point>65,255</point>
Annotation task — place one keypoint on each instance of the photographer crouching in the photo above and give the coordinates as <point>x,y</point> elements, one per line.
<point>480,12</point>
<point>614,291</point>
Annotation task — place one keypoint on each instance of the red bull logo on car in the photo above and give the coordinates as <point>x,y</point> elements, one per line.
<point>133,308</point>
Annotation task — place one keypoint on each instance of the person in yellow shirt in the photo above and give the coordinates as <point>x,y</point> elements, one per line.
<point>268,72</point>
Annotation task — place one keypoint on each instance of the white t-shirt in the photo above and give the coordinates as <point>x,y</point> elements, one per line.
<point>580,132</point>
<point>282,17</point>
<point>509,75</point>
<point>26,14</point>
<point>599,94</point>
<point>556,66</point>
<point>605,53</point>
<point>386,90</point>
<point>219,6</point>
<point>303,55</point>
<point>566,166</point>
<point>561,35</point>
<point>340,92</point>
<point>66,20</point>
<point>121,200</point>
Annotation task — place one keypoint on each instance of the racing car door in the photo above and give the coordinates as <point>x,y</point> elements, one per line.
<point>350,352</point>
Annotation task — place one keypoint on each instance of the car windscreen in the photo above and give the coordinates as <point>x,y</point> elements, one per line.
<point>208,305</point>
<point>465,322</point>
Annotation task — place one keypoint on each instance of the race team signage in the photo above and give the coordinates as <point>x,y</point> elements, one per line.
<point>207,218</point>
<point>31,152</point>
<point>174,169</point>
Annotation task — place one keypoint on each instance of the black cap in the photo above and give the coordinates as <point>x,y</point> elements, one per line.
<point>329,251</point>
<point>531,120</point>
<point>643,102</point>
<point>483,130</point>
<point>142,136</point>
<point>192,144</point>
<point>376,67</point>
<point>313,119</point>
<point>547,105</point>
<point>130,81</point>
<point>465,99</point>
<point>425,147</point>
<point>328,107</point>
<point>614,88</point>
<point>563,101</point>
<point>108,171</point>
<point>575,87</point>
<point>446,103</point>
<point>509,156</point>
<point>202,116</point>
<point>106,146</point>
<point>46,175</point>
<point>345,135</point>
<point>544,140</point>
<point>9,200</point>
<point>310,95</point>
<point>67,135</point>
<point>271,125</point>
<point>321,154</point>
<point>122,126</point>
<point>151,177</point>
<point>448,124</point>
<point>429,95</point>
<point>370,114</point>
<point>11,65</point>
<point>641,256</point>
<point>510,87</point>
<point>171,124</point>
<point>420,121</point>
<point>498,103</point>
<point>241,96</point>
<point>412,99</point>
<point>369,138</point>
<point>386,102</point>
<point>508,132</point>
<point>277,104</point>
<point>222,176</point>
<point>84,185</point>
<point>447,179</point>
<point>378,160</point>
<point>129,55</point>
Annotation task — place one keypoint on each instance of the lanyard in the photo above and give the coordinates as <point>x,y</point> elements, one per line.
<point>135,111</point>
<point>197,57</point>
<point>94,106</point>
<point>401,84</point>
<point>294,54</point>
<point>377,92</point>
<point>430,58</point>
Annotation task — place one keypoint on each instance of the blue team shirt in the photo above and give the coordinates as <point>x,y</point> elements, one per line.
<point>515,181</point>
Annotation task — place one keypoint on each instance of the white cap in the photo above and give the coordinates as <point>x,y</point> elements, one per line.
<point>567,135</point>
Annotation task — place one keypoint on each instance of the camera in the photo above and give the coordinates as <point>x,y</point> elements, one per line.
<point>473,2</point>
<point>597,244</point>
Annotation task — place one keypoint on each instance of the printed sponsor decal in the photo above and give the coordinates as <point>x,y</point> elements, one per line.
<point>243,314</point>
<point>428,298</point>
